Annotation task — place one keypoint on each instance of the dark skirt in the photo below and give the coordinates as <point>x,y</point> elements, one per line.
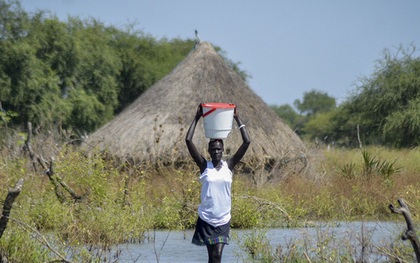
<point>206,234</point>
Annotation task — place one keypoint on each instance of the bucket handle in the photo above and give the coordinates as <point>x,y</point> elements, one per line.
<point>208,113</point>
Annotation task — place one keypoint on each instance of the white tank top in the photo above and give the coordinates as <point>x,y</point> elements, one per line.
<point>215,194</point>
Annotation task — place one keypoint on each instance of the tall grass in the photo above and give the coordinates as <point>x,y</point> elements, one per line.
<point>120,202</point>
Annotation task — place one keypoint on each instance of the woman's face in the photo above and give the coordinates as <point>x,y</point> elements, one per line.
<point>216,150</point>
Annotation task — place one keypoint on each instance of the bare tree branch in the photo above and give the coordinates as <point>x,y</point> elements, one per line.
<point>410,233</point>
<point>8,203</point>
<point>48,170</point>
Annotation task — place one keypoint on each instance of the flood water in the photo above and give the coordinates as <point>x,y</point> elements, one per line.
<point>175,246</point>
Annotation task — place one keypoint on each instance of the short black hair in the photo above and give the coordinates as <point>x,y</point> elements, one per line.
<point>216,140</point>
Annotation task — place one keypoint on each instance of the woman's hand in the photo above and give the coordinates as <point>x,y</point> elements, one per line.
<point>199,112</point>
<point>235,114</point>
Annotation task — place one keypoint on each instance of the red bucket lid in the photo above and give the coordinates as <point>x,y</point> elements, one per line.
<point>218,105</point>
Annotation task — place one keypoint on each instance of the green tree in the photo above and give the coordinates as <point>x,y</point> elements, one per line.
<point>13,56</point>
<point>28,80</point>
<point>96,71</point>
<point>314,102</point>
<point>314,106</point>
<point>13,20</point>
<point>144,61</point>
<point>87,110</point>
<point>288,114</point>
<point>77,74</point>
<point>320,127</point>
<point>386,104</point>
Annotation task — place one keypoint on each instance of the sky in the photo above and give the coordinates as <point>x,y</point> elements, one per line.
<point>287,47</point>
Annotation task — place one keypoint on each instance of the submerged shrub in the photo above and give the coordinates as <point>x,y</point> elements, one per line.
<point>19,244</point>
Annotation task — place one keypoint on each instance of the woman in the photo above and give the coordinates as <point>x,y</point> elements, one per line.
<point>213,223</point>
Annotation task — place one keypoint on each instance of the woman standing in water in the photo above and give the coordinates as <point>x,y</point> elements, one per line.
<point>213,223</point>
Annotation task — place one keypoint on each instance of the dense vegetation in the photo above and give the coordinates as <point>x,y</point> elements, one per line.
<point>76,75</point>
<point>384,109</point>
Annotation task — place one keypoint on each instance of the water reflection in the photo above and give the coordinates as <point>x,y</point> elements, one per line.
<point>175,246</point>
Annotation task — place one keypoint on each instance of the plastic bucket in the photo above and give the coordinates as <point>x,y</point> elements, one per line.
<point>218,119</point>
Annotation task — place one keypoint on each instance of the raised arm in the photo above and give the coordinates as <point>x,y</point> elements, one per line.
<point>236,158</point>
<point>197,157</point>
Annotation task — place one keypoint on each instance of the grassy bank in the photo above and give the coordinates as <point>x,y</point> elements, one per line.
<point>117,203</point>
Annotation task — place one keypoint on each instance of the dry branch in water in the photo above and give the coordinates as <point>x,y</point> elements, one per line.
<point>8,203</point>
<point>410,233</point>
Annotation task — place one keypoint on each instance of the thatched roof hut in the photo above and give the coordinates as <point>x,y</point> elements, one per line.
<point>154,126</point>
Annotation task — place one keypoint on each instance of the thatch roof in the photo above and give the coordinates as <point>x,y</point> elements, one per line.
<point>154,126</point>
